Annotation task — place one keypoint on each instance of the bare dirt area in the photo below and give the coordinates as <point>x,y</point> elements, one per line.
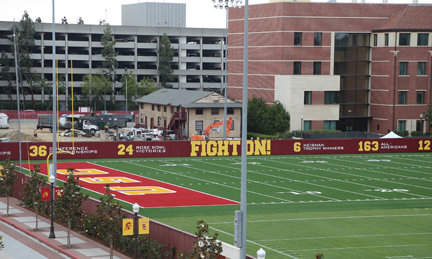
<point>27,127</point>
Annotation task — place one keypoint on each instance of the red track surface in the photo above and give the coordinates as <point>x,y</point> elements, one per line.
<point>180,197</point>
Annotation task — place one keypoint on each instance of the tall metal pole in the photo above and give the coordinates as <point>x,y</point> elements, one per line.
<point>54,146</point>
<point>126,96</point>
<point>17,96</point>
<point>226,76</point>
<point>244,135</point>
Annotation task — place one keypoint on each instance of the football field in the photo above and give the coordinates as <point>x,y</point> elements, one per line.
<point>343,206</point>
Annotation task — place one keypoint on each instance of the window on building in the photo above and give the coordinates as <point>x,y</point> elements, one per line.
<point>159,121</point>
<point>165,108</point>
<point>172,109</point>
<point>422,39</point>
<point>232,126</point>
<point>317,68</point>
<point>199,111</point>
<point>230,111</point>
<point>330,125</point>
<point>420,97</point>
<point>404,39</point>
<point>386,39</point>
<point>158,108</point>
<point>421,68</point>
<point>153,107</point>
<point>375,39</point>
<point>308,97</point>
<point>297,68</point>
<point>215,111</point>
<point>317,39</point>
<point>142,106</point>
<point>142,118</point>
<point>403,68</point>
<point>199,125</point>
<point>178,108</point>
<point>306,125</point>
<point>401,125</point>
<point>402,97</point>
<point>330,97</point>
<point>297,38</point>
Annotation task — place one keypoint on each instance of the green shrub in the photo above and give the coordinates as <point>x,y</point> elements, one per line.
<point>259,135</point>
<point>416,134</point>
<point>402,133</point>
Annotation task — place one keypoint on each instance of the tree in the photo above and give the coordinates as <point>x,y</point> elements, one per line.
<point>6,75</point>
<point>95,87</point>
<point>256,113</point>
<point>428,115</point>
<point>166,54</point>
<point>80,21</point>
<point>25,44</point>
<point>8,179</point>
<point>132,85</point>
<point>38,20</point>
<point>101,22</point>
<point>32,192</point>
<point>108,42</point>
<point>1,243</point>
<point>266,120</point>
<point>110,218</point>
<point>147,86</point>
<point>70,201</point>
<point>277,119</point>
<point>43,84</point>
<point>205,247</point>
<point>64,20</point>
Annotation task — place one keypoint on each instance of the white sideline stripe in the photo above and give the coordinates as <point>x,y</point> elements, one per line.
<point>312,238</point>
<point>350,217</point>
<point>252,242</point>
<point>360,247</point>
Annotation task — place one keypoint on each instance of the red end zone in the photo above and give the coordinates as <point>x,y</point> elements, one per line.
<point>132,188</point>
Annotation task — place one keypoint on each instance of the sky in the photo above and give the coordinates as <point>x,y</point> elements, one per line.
<point>199,13</point>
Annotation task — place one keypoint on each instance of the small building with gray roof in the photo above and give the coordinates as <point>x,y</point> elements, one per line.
<point>185,112</point>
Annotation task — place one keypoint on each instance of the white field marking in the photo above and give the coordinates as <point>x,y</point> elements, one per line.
<point>288,179</point>
<point>424,155</point>
<point>356,236</point>
<point>252,242</point>
<point>395,175</point>
<point>416,166</point>
<point>326,218</point>
<point>327,178</point>
<point>373,187</point>
<point>360,247</point>
<point>341,201</point>
<point>250,181</point>
<point>398,168</point>
<point>202,180</point>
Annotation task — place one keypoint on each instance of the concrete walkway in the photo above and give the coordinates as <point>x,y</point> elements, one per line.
<point>22,241</point>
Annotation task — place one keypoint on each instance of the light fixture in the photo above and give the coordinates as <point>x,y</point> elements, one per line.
<point>51,178</point>
<point>261,254</point>
<point>135,208</point>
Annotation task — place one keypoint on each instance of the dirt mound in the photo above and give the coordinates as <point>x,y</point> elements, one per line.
<point>14,137</point>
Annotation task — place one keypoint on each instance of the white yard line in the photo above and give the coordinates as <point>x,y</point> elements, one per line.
<point>202,180</point>
<point>260,245</point>
<point>328,218</point>
<point>356,236</point>
<point>360,247</point>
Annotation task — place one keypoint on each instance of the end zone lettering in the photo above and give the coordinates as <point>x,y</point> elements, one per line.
<point>229,148</point>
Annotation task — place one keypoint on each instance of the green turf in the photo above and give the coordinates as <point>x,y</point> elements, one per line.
<point>344,206</point>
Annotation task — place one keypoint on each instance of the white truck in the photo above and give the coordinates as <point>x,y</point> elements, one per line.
<point>80,123</point>
<point>4,121</point>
